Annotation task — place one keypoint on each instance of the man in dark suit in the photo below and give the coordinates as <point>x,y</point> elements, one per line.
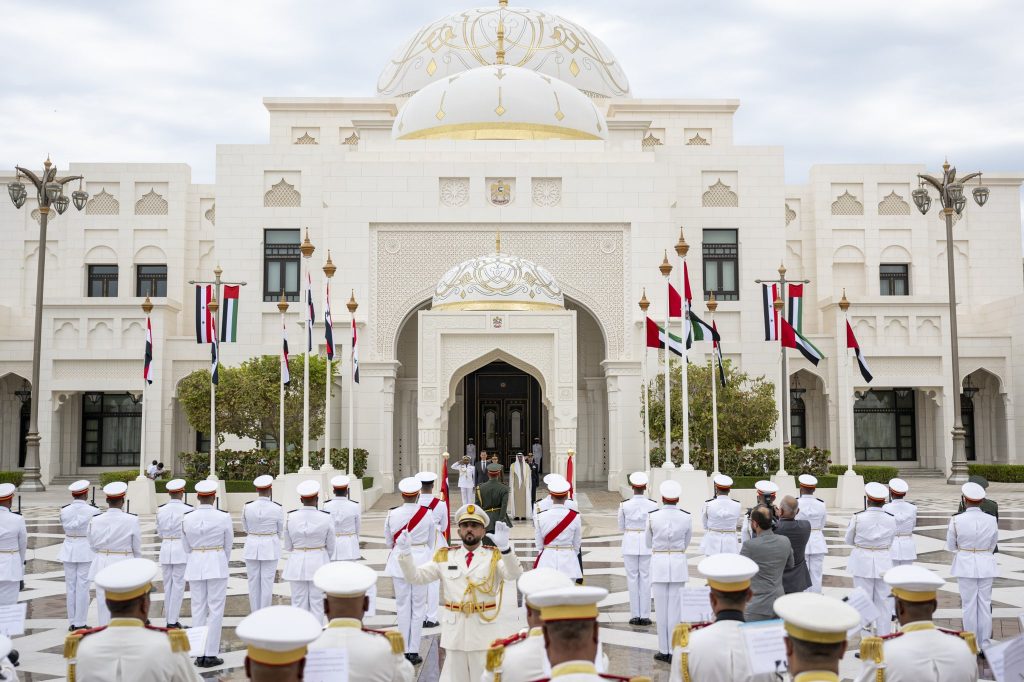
<point>773,555</point>
<point>797,578</point>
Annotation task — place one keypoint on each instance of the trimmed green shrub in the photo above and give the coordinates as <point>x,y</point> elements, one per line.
<point>15,477</point>
<point>245,465</point>
<point>113,476</point>
<point>229,486</point>
<point>871,474</point>
<point>367,482</point>
<point>757,462</point>
<point>998,473</point>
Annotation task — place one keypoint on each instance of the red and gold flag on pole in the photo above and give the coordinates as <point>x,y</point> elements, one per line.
<point>447,501</point>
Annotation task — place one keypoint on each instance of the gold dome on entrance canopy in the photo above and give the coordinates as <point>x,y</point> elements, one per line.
<point>498,281</point>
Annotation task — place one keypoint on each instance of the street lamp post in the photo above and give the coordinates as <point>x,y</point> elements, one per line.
<point>49,193</point>
<point>952,200</point>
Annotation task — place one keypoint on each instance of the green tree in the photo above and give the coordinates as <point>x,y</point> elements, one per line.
<point>248,399</point>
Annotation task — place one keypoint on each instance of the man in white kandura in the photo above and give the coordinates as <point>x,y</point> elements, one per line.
<point>373,655</point>
<point>558,534</point>
<point>636,555</point>
<point>520,506</point>
<point>114,536</point>
<point>814,511</point>
<point>972,535</point>
<point>309,540</point>
<point>75,553</point>
<point>721,518</point>
<point>263,524</point>
<point>208,535</point>
<point>669,530</point>
<point>467,478</point>
<point>870,533</point>
<point>439,510</point>
<point>173,558</point>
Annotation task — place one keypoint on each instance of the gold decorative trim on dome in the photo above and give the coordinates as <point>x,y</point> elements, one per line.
<point>500,131</point>
<point>496,305</point>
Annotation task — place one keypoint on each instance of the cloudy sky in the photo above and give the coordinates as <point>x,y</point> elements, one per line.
<point>857,81</point>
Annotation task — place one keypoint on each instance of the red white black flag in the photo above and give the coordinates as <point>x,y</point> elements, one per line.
<point>147,368</point>
<point>851,342</point>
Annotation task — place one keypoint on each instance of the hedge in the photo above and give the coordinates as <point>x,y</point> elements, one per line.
<point>871,474</point>
<point>759,463</point>
<point>245,465</point>
<point>998,473</point>
<point>238,486</point>
<point>113,476</point>
<point>15,477</point>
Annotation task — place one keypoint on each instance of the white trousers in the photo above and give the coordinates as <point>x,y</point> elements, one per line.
<point>878,591</point>
<point>638,577</point>
<point>890,601</point>
<point>174,590</point>
<point>815,566</point>
<point>261,576</point>
<point>102,612</point>
<point>307,596</point>
<point>208,598</point>
<point>976,598</point>
<point>463,666</point>
<point>9,592</point>
<point>668,601</point>
<point>76,584</point>
<point>433,599</point>
<point>411,607</point>
<point>467,495</point>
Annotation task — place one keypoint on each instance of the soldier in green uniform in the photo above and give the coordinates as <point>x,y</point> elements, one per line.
<point>493,497</point>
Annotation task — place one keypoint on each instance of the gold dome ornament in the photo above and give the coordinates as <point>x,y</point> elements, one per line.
<point>307,247</point>
<point>682,248</point>
<point>352,305</point>
<point>644,303</point>
<point>497,281</point>
<point>844,304</point>
<point>282,303</point>
<point>712,304</point>
<point>665,267</point>
<point>329,267</point>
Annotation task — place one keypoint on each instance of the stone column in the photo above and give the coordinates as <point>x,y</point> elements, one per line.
<point>381,447</point>
<point>624,419</point>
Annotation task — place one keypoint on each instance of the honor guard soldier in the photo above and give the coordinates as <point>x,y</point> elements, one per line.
<point>716,651</point>
<point>114,536</point>
<point>721,518</point>
<point>75,553</point>
<point>173,558</point>
<point>559,534</point>
<point>410,600</point>
<point>919,652</point>
<point>814,511</point>
<point>972,535</point>
<point>276,640</point>
<point>669,530</point>
<point>472,586</point>
<point>766,492</point>
<point>439,509</point>
<point>373,655</point>
<point>636,555</point>
<point>546,502</point>
<point>207,535</point>
<point>816,628</point>
<point>493,497</point>
<point>903,549</point>
<point>467,478</point>
<point>309,539</point>
<point>263,524</point>
<point>870,534</point>
<point>128,650</point>
<point>346,516</point>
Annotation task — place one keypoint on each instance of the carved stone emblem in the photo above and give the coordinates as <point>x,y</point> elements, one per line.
<point>501,193</point>
<point>497,322</point>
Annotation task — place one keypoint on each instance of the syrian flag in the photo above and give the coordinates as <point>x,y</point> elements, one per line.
<point>328,325</point>
<point>699,330</point>
<point>214,355</point>
<point>310,314</point>
<point>229,316</point>
<point>796,306</point>
<point>286,376</point>
<point>771,320</point>
<point>204,318</point>
<point>355,353</point>
<point>717,342</point>
<point>851,342</point>
<point>656,338</point>
<point>675,303</point>
<point>791,338</point>
<point>147,367</point>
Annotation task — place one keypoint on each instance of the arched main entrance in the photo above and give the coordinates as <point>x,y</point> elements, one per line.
<point>502,410</point>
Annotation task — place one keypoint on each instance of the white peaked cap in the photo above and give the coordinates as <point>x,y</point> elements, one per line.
<point>727,572</point>
<point>808,481</point>
<point>115,489</point>
<point>263,482</point>
<point>559,486</point>
<point>638,479</point>
<point>409,485</point>
<point>177,485</point>
<point>340,481</point>
<point>542,580</point>
<point>472,512</point>
<point>568,603</point>
<point>127,579</point>
<point>876,491</point>
<point>81,486</point>
<point>670,490</point>
<point>816,618</point>
<point>308,489</point>
<point>344,579</point>
<point>548,478</point>
<point>766,487</point>
<point>971,491</point>
<point>913,583</point>
<point>206,487</point>
<point>278,635</point>
<point>899,486</point>
<point>723,481</point>
<point>426,476</point>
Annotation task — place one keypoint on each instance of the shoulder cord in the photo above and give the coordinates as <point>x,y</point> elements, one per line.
<point>487,587</point>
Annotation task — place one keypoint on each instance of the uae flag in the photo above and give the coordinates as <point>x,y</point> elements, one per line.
<point>286,376</point>
<point>214,355</point>
<point>851,342</point>
<point>355,353</point>
<point>656,338</point>
<point>310,314</point>
<point>204,318</point>
<point>717,341</point>
<point>570,472</point>
<point>328,325</point>
<point>771,320</point>
<point>675,303</point>
<point>147,367</point>
<point>699,330</point>
<point>791,338</point>
<point>795,294</point>
<point>229,316</point>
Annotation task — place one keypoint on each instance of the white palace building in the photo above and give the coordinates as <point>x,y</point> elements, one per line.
<point>536,135</point>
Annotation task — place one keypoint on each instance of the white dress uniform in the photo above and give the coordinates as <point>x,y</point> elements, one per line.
<point>410,600</point>
<point>77,557</point>
<point>439,510</point>
<point>207,536</point>
<point>467,480</point>
<point>13,546</point>
<point>972,534</point>
<point>669,531</point>
<point>636,555</point>
<point>813,510</point>
<point>582,600</point>
<point>870,535</point>
<point>347,519</point>
<point>721,517</point>
<point>8,673</point>
<point>173,558</point>
<point>903,551</point>
<point>309,539</point>
<point>263,524</point>
<point>547,503</point>
<point>114,536</point>
<point>559,552</point>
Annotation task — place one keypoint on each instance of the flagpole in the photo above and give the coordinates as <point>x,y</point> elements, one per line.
<point>352,307</point>
<point>307,250</point>
<point>212,306</point>
<point>666,271</point>
<point>282,306</point>
<point>147,307</point>
<point>712,306</point>
<point>681,250</point>
<point>644,305</point>
<point>329,270</point>
<point>844,305</point>
<point>782,391</point>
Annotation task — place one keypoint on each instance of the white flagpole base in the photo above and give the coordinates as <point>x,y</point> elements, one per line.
<point>695,484</point>
<point>786,483</point>
<point>142,493</point>
<point>850,491</point>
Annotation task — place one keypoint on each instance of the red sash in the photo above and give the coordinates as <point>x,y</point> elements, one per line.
<point>421,511</point>
<point>556,531</point>
<point>433,503</point>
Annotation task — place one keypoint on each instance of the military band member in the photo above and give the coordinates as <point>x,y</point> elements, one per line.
<point>309,540</point>
<point>467,478</point>
<point>114,536</point>
<point>669,530</point>
<point>972,535</point>
<point>870,534</point>
<point>558,534</point>
<point>128,649</point>
<point>373,655</point>
<point>816,628</point>
<point>276,640</point>
<point>207,536</point>
<point>813,510</point>
<point>903,551</point>
<point>920,652</point>
<point>263,524</point>
<point>75,553</point>
<point>766,494</point>
<point>172,553</point>
<point>636,555</point>
<point>721,518</point>
<point>472,584</point>
<point>410,599</point>
<point>439,510</point>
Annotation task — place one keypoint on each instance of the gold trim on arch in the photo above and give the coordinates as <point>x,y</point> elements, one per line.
<point>498,306</point>
<point>499,131</point>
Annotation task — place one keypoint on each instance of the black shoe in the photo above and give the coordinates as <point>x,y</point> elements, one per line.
<point>664,658</point>
<point>213,661</point>
<point>634,621</point>
<point>72,628</point>
<point>431,624</point>
<point>174,626</point>
<point>646,621</point>
<point>201,662</point>
<point>415,659</point>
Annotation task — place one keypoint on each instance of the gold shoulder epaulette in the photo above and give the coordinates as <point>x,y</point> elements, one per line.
<point>441,556</point>
<point>971,640</point>
<point>397,642</point>
<point>71,644</point>
<point>681,636</point>
<point>872,650</point>
<point>495,656</point>
<point>179,641</point>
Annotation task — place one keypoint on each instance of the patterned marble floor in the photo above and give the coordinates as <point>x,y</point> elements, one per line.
<point>630,649</point>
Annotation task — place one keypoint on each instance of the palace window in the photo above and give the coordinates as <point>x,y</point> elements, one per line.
<point>894,279</point>
<point>102,281</point>
<point>151,280</point>
<point>281,258</point>
<point>721,264</point>
<point>111,430</point>
<point>967,419</point>
<point>884,426</point>
<point>797,420</point>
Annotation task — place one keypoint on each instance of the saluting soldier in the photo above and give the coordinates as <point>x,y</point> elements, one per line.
<point>173,558</point>
<point>467,478</point>
<point>276,640</point>
<point>309,539</point>
<point>816,627</point>
<point>558,535</point>
<point>636,555</point>
<point>114,536</point>
<point>75,553</point>
<point>669,530</point>
<point>263,524</point>
<point>439,510</point>
<point>721,519</point>
<point>493,497</point>
<point>972,535</point>
<point>207,536</point>
<point>373,655</point>
<point>870,534</point>
<point>813,510</point>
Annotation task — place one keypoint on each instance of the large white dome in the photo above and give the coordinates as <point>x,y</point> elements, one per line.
<point>498,281</point>
<point>541,42</point>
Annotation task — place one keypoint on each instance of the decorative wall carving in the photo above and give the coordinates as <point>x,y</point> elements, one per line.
<point>790,215</point>
<point>501,191</point>
<point>720,195</point>
<point>454,192</point>
<point>151,203</point>
<point>926,368</point>
<point>650,142</point>
<point>352,140</point>
<point>100,370</point>
<point>547,192</point>
<point>306,138</point>
<point>928,328</point>
<point>698,140</point>
<point>847,204</point>
<point>103,204</point>
<point>282,195</point>
<point>893,204</point>
<point>211,214</point>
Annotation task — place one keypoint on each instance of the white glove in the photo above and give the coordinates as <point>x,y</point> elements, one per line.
<point>500,536</point>
<point>402,542</point>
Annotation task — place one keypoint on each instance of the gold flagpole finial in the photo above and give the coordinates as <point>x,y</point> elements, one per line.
<point>844,303</point>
